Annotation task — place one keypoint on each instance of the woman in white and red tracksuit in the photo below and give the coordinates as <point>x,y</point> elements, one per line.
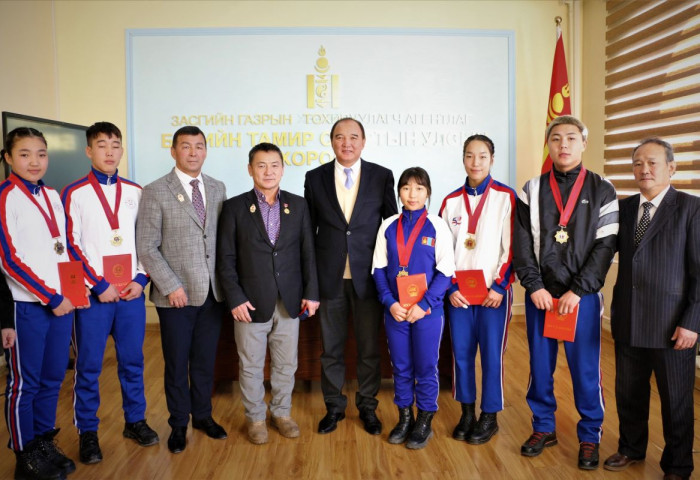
<point>480,215</point>
<point>413,242</point>
<point>32,244</point>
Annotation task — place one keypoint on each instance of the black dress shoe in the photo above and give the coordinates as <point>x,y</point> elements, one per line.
<point>89,449</point>
<point>177,440</point>
<point>141,432</point>
<point>210,427</point>
<point>372,424</point>
<point>588,456</point>
<point>330,422</point>
<point>618,462</point>
<point>537,442</point>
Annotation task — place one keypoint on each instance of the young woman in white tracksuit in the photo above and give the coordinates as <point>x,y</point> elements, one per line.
<point>36,343</point>
<point>480,215</point>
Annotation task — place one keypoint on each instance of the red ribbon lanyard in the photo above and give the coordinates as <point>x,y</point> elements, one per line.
<point>51,217</point>
<point>112,217</point>
<point>406,249</point>
<point>474,217</point>
<point>565,213</point>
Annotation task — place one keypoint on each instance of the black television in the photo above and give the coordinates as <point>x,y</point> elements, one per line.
<point>66,147</point>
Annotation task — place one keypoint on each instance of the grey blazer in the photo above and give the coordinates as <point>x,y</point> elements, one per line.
<point>174,247</point>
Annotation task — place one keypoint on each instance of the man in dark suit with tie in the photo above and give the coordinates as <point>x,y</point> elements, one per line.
<point>176,243</point>
<point>655,313</point>
<point>348,199</point>
<point>267,269</point>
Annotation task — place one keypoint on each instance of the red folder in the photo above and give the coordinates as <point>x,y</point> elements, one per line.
<point>411,289</point>
<point>117,270</point>
<point>72,283</point>
<point>472,286</point>
<point>560,327</point>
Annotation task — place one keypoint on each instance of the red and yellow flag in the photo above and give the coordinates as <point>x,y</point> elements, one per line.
<point>559,94</point>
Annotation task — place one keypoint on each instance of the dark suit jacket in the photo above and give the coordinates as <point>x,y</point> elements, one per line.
<point>658,283</point>
<point>335,238</point>
<point>251,269</point>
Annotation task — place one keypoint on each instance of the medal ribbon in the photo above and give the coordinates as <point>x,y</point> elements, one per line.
<point>112,217</point>
<point>406,249</point>
<point>51,217</point>
<point>474,217</point>
<point>566,212</point>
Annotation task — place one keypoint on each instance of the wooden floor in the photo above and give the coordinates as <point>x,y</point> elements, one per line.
<point>348,453</point>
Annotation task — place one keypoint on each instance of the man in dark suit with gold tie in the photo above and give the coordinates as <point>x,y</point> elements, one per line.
<point>656,311</point>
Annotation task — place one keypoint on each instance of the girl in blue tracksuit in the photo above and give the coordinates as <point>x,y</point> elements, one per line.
<point>32,244</point>
<point>410,243</point>
<point>480,216</point>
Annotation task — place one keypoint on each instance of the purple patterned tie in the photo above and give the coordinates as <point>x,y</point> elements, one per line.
<point>198,201</point>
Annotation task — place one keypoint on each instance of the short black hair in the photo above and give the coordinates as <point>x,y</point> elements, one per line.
<point>109,129</point>
<point>345,119</point>
<point>668,149</point>
<point>264,147</point>
<point>417,174</point>
<point>189,130</point>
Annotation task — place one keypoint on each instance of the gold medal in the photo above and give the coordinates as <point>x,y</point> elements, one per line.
<point>116,239</point>
<point>470,242</point>
<point>252,209</point>
<point>402,273</point>
<point>561,236</point>
<point>58,248</point>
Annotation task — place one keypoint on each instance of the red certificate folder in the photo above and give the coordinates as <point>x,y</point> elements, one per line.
<point>472,285</point>
<point>117,270</point>
<point>411,289</point>
<point>560,327</point>
<point>72,283</point>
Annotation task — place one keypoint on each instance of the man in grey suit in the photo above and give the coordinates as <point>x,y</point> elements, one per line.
<point>176,242</point>
<point>655,313</point>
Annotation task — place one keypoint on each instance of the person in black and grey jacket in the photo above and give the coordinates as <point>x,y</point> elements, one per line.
<point>564,241</point>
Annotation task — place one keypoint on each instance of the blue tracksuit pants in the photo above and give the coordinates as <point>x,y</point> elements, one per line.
<point>126,323</point>
<point>414,350</point>
<point>583,357</point>
<point>37,365</point>
<point>486,329</point>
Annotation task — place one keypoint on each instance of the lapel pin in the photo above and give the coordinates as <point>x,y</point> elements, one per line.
<point>180,198</point>
<point>252,209</point>
<point>286,208</point>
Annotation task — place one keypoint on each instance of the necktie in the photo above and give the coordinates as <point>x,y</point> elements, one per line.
<point>198,201</point>
<point>348,178</point>
<point>643,223</point>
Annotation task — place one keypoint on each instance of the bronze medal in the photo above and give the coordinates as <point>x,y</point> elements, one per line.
<point>470,242</point>
<point>58,248</point>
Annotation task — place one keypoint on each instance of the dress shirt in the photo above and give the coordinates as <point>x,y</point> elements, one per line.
<point>347,197</point>
<point>185,181</point>
<point>656,201</point>
<point>270,214</point>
